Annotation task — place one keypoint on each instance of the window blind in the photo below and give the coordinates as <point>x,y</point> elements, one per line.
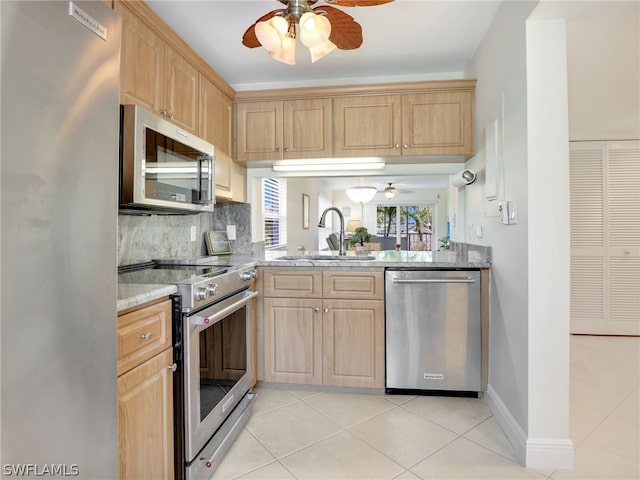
<point>274,212</point>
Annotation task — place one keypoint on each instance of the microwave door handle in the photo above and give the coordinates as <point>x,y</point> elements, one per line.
<point>209,190</point>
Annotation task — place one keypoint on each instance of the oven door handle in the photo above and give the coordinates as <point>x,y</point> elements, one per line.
<point>221,310</point>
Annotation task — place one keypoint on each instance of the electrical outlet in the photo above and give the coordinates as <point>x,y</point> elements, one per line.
<point>231,232</point>
<point>194,233</point>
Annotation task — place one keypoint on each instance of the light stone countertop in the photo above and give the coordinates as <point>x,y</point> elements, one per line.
<point>382,259</point>
<point>134,294</point>
<point>131,295</point>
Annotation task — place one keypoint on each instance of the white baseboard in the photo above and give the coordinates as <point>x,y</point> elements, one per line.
<point>511,428</point>
<point>545,453</point>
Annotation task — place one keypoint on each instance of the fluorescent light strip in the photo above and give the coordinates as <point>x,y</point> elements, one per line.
<point>328,167</point>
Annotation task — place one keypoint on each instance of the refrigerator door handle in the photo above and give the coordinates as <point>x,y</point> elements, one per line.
<point>434,280</point>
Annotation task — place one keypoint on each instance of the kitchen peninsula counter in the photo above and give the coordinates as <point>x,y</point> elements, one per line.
<point>381,259</point>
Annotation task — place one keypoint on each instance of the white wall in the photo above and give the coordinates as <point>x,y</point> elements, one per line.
<point>296,235</point>
<point>603,51</point>
<point>500,67</point>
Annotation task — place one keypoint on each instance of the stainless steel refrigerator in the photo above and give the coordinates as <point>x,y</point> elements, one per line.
<point>59,179</point>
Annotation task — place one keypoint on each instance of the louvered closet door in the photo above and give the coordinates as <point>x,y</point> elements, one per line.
<point>605,237</point>
<point>623,236</point>
<point>588,296</point>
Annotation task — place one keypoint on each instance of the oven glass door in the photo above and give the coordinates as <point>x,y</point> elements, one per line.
<point>218,366</point>
<point>176,172</point>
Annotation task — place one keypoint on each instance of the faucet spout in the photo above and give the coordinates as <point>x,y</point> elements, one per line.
<point>321,224</point>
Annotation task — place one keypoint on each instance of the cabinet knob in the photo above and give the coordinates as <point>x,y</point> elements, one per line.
<point>277,149</point>
<point>164,112</point>
<point>397,145</point>
<point>171,115</point>
<point>286,149</point>
<point>173,367</point>
<point>406,145</point>
<point>627,252</point>
<point>325,310</point>
<point>145,336</point>
<point>317,309</point>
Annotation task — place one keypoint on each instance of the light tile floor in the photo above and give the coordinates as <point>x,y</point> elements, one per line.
<point>304,434</point>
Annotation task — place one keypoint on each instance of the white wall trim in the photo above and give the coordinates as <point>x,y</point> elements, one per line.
<point>547,453</point>
<point>508,423</point>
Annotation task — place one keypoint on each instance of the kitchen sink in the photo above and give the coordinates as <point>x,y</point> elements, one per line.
<point>327,257</point>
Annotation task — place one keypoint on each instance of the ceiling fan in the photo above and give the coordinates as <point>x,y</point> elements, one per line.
<point>322,29</point>
<point>390,191</point>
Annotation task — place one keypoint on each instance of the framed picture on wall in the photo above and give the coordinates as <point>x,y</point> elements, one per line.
<point>305,211</point>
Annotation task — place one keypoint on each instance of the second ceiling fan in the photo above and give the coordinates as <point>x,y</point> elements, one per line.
<point>322,29</point>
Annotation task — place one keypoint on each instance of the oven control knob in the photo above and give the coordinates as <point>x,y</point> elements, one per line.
<point>247,275</point>
<point>202,293</point>
<point>212,288</point>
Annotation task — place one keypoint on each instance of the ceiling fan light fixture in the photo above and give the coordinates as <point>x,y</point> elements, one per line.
<point>323,50</point>
<point>361,194</point>
<point>390,192</point>
<point>314,30</point>
<point>271,32</point>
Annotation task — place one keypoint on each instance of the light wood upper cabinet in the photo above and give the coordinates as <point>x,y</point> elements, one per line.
<point>367,125</point>
<point>142,63</point>
<point>154,75</point>
<point>439,123</point>
<point>181,91</point>
<point>216,127</point>
<point>276,130</point>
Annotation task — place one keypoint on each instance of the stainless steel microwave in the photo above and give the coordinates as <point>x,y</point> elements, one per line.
<point>162,167</point>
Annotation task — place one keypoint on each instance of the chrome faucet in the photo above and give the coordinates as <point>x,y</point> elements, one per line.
<point>342,250</point>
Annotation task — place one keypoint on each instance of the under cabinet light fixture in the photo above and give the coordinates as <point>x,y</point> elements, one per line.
<point>327,166</point>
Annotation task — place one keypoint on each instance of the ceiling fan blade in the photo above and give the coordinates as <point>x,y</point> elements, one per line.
<point>249,38</point>
<point>346,33</point>
<point>357,3</point>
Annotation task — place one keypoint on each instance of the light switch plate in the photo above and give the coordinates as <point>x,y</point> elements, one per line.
<point>231,232</point>
<point>194,233</point>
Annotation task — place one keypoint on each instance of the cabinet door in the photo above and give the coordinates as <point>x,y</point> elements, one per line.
<point>307,128</point>
<point>293,341</point>
<point>259,131</point>
<point>368,125</point>
<point>353,343</point>
<point>145,420</point>
<point>181,90</point>
<point>142,63</point>
<point>216,117</point>
<point>437,124</point>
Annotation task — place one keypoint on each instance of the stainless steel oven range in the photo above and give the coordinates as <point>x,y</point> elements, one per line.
<point>212,346</point>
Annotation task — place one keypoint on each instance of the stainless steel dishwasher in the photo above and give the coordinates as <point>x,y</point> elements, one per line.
<point>433,331</point>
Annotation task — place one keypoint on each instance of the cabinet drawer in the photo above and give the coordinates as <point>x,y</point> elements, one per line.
<point>353,285</point>
<point>293,283</point>
<point>142,334</point>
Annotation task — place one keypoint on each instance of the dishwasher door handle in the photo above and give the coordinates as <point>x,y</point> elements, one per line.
<point>434,280</point>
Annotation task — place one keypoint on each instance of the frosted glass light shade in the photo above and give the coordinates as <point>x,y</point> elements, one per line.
<point>271,32</point>
<point>361,194</point>
<point>319,52</point>
<point>287,53</point>
<point>314,29</point>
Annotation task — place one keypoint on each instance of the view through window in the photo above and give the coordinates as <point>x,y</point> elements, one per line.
<point>274,212</point>
<point>409,226</point>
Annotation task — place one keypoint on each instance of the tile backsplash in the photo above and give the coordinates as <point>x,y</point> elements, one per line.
<point>144,237</point>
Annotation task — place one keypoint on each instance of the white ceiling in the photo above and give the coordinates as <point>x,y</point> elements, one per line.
<point>405,40</point>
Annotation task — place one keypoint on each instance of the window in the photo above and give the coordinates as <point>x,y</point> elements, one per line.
<point>412,228</point>
<point>274,212</point>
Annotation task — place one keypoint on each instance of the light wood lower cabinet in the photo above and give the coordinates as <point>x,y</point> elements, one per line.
<point>319,340</point>
<point>145,393</point>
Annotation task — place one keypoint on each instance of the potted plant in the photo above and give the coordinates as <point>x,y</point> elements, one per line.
<point>445,242</point>
<point>360,236</point>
